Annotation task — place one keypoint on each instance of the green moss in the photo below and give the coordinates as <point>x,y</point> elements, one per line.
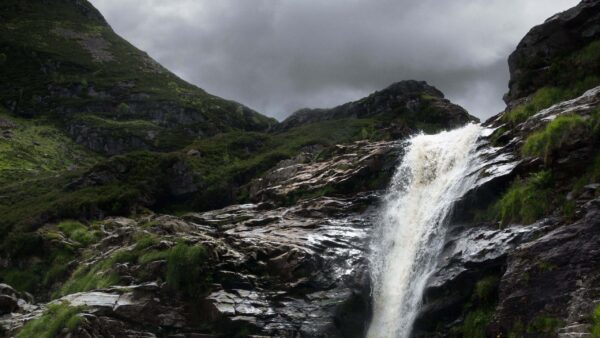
<point>544,325</point>
<point>559,131</point>
<point>58,266</point>
<point>186,267</point>
<point>56,320</point>
<point>569,208</point>
<point>42,262</point>
<point>595,330</point>
<point>479,310</point>
<point>486,288</point>
<point>526,200</point>
<point>123,108</point>
<point>517,330</point>
<point>546,266</point>
<point>476,322</point>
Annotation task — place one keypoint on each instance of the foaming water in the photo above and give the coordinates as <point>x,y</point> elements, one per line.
<point>435,171</point>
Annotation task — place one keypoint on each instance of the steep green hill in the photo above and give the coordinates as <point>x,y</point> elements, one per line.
<point>61,59</point>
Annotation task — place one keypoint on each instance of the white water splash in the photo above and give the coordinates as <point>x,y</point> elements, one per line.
<point>435,171</point>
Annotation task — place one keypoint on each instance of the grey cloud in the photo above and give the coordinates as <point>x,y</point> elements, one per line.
<point>277,56</point>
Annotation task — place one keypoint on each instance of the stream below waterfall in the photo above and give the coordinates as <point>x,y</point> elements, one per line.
<point>435,171</point>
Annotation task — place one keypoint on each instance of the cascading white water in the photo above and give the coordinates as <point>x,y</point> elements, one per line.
<point>436,170</point>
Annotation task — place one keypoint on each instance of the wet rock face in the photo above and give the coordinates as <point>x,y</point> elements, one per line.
<point>554,276</point>
<point>545,271</point>
<point>297,268</point>
<point>353,167</point>
<point>280,272</point>
<point>560,35</point>
<point>405,97</point>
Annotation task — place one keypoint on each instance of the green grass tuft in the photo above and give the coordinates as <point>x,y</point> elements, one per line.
<point>56,320</point>
<point>544,325</point>
<point>78,232</point>
<point>559,131</point>
<point>476,322</point>
<point>543,98</point>
<point>186,270</point>
<point>526,200</point>
<point>486,288</point>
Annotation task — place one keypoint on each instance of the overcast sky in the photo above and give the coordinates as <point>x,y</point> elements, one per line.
<point>277,56</point>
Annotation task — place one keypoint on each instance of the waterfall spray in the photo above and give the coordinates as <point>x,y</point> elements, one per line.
<point>436,171</point>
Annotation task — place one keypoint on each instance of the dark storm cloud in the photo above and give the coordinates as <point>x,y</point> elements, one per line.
<point>277,56</point>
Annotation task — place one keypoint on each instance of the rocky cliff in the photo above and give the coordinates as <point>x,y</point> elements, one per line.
<point>520,258</point>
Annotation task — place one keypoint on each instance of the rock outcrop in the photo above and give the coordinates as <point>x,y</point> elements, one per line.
<point>278,272</point>
<point>559,36</point>
<point>272,268</point>
<point>354,167</point>
<point>415,100</point>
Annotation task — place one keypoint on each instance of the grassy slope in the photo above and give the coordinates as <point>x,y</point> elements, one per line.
<point>35,148</point>
<point>61,58</point>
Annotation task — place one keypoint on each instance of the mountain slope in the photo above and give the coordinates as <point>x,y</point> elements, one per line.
<point>61,58</point>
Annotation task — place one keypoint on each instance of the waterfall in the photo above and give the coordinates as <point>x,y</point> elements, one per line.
<point>436,170</point>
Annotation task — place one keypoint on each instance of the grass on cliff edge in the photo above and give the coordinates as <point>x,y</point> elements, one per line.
<point>56,320</point>
<point>558,132</point>
<point>567,78</point>
<point>186,268</point>
<point>526,200</point>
